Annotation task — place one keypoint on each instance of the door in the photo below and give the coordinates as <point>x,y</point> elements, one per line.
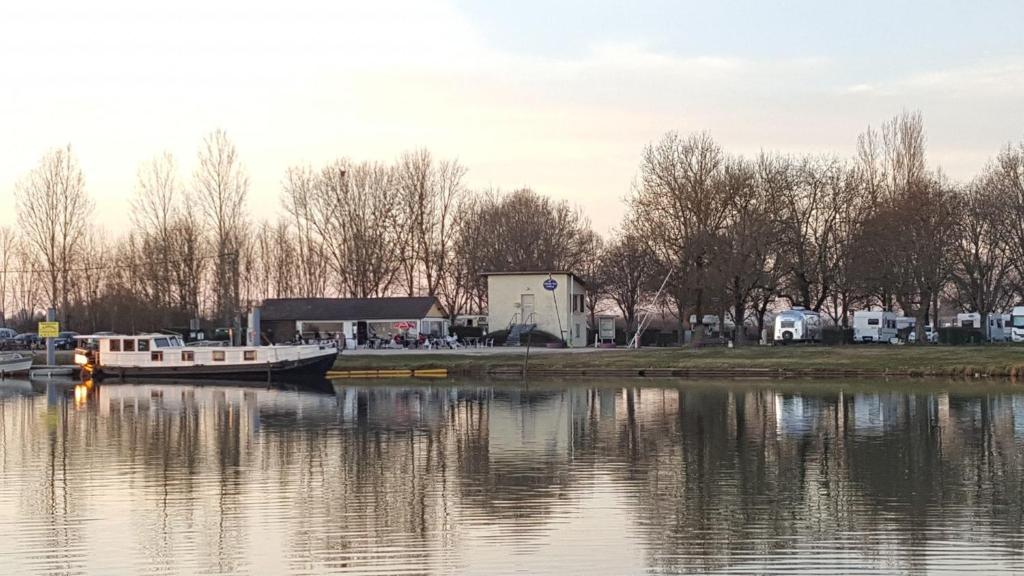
<point>526,308</point>
<point>361,333</point>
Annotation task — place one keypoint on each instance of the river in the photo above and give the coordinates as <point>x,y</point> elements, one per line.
<point>444,478</point>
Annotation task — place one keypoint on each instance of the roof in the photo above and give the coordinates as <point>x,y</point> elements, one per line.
<point>534,273</point>
<point>327,309</point>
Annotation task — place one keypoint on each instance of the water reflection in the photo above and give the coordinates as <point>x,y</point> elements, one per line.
<point>123,479</point>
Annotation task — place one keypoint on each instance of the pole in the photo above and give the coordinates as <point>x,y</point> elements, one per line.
<point>51,351</point>
<point>640,327</point>
<point>561,333</point>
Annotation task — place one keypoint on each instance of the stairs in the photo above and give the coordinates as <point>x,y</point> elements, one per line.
<point>517,329</point>
<point>516,333</point>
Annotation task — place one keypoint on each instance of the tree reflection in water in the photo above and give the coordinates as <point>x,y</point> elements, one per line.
<point>474,478</point>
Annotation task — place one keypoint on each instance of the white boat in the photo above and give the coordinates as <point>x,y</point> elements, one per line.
<point>14,363</point>
<point>164,356</point>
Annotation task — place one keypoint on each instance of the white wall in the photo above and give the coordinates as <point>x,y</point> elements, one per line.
<point>505,296</point>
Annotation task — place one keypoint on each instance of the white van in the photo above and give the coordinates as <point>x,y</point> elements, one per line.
<point>995,331</point>
<point>874,326</point>
<point>797,325</point>
<point>1017,324</point>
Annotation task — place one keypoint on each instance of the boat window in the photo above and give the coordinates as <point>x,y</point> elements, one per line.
<point>188,356</point>
<point>129,345</point>
<point>218,355</point>
<point>115,345</point>
<point>156,356</point>
<point>250,354</point>
<point>161,342</point>
<point>142,346</point>
<point>788,323</point>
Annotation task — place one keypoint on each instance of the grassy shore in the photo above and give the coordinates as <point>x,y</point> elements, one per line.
<point>956,361</point>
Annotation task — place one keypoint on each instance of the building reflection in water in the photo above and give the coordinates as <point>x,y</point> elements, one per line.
<point>473,478</point>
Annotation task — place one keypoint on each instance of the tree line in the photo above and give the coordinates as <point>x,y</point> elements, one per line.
<point>191,249</point>
<point>721,233</point>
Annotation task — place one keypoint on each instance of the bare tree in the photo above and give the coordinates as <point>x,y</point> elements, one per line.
<point>1004,178</point>
<point>8,250</point>
<point>220,189</point>
<point>679,208</point>
<point>430,193</point>
<point>54,211</point>
<point>627,265</point>
<point>981,266</point>
<point>311,228</point>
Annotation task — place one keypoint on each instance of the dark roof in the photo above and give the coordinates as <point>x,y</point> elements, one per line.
<point>325,309</point>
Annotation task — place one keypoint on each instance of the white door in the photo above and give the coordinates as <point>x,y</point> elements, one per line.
<point>526,308</point>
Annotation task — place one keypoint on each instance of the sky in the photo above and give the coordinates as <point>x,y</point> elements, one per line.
<point>561,97</point>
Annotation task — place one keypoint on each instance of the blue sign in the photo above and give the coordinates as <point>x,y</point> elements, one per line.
<point>550,284</point>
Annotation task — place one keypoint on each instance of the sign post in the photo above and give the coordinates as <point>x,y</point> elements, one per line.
<point>551,285</point>
<point>50,330</point>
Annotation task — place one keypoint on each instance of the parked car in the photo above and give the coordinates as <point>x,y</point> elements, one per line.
<point>931,335</point>
<point>7,338</point>
<point>27,341</point>
<point>65,341</point>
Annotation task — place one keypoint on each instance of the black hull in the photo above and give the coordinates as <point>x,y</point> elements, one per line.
<point>278,371</point>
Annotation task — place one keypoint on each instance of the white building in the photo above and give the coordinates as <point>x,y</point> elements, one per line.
<point>554,301</point>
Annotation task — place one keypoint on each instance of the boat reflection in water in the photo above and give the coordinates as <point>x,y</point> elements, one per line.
<point>124,479</point>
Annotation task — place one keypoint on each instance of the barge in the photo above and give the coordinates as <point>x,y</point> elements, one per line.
<point>166,356</point>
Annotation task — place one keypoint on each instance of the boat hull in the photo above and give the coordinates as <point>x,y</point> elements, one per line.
<point>315,367</point>
<point>9,367</point>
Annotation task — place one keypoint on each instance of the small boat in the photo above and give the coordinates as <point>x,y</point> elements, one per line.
<point>165,356</point>
<point>14,363</point>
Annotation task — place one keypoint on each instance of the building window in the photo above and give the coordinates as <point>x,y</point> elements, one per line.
<point>249,355</point>
<point>577,330</point>
<point>156,356</point>
<point>143,346</point>
<point>218,355</point>
<point>188,356</point>
<point>115,345</point>
<point>129,345</point>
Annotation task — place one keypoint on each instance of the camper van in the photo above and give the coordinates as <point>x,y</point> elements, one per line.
<point>797,325</point>
<point>874,326</point>
<point>996,329</point>
<point>1017,324</point>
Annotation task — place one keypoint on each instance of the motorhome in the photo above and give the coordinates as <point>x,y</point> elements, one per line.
<point>797,325</point>
<point>874,326</point>
<point>996,326</point>
<point>1017,324</point>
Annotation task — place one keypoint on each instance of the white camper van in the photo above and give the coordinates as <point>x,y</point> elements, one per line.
<point>874,326</point>
<point>996,329</point>
<point>797,325</point>
<point>1017,324</point>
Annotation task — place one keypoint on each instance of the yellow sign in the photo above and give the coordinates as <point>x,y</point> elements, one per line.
<point>49,329</point>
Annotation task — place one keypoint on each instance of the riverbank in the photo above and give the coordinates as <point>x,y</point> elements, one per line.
<point>992,361</point>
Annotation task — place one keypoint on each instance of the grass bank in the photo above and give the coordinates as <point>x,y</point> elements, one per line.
<point>1003,361</point>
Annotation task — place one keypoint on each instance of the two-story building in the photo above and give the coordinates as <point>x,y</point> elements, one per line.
<point>553,300</point>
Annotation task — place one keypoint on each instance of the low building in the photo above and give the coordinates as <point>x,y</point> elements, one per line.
<point>555,301</point>
<point>359,319</point>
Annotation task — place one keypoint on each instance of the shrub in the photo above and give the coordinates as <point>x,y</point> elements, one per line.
<point>463,332</point>
<point>836,335</point>
<point>958,336</point>
<point>538,338</point>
